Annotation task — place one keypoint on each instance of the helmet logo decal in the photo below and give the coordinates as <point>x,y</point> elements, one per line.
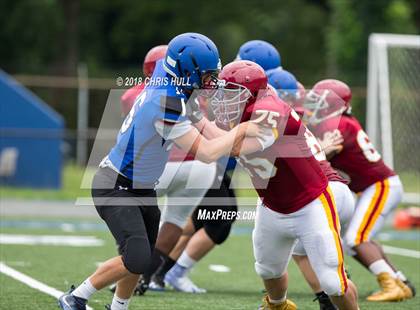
<point>184,111</point>
<point>170,61</point>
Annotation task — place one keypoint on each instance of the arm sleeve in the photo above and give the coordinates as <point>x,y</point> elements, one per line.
<point>170,131</point>
<point>172,122</point>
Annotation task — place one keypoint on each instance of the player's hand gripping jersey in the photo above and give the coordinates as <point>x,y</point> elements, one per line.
<point>143,143</point>
<point>286,174</point>
<point>358,158</point>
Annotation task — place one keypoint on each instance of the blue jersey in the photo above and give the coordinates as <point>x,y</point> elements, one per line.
<point>144,140</point>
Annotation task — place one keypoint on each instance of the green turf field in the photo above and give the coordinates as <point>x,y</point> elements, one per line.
<point>61,266</point>
<point>71,179</point>
<point>74,174</point>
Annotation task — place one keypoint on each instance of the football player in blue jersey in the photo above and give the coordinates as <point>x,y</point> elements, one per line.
<point>123,188</point>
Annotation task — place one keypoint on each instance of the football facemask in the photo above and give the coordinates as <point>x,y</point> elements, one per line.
<point>320,109</point>
<point>228,102</point>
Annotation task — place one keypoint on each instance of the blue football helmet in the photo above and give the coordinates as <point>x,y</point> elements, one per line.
<point>261,52</point>
<point>284,82</point>
<point>194,56</point>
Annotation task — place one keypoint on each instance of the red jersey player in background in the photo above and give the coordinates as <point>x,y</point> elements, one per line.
<point>379,188</point>
<point>296,202</point>
<point>149,63</point>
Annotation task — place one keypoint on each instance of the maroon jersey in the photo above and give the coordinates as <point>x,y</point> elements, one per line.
<point>331,173</point>
<point>358,158</point>
<point>129,97</point>
<point>327,169</point>
<point>286,174</point>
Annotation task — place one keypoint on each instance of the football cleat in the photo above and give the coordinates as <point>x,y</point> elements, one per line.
<point>411,286</point>
<point>286,305</point>
<point>324,302</point>
<point>141,287</point>
<point>408,292</point>
<point>182,283</point>
<point>69,302</point>
<point>113,287</point>
<point>390,290</point>
<point>157,284</point>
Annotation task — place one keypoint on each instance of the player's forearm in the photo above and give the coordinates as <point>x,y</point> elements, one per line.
<point>211,150</point>
<point>209,129</point>
<point>248,146</point>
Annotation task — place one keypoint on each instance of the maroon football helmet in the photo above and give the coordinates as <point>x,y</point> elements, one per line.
<point>152,56</point>
<point>240,84</point>
<point>328,98</point>
<point>297,103</point>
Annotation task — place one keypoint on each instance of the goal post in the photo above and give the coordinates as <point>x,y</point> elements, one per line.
<point>393,106</point>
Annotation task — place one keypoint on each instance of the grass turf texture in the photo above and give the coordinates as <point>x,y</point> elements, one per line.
<point>60,266</point>
<point>73,176</point>
<point>70,190</point>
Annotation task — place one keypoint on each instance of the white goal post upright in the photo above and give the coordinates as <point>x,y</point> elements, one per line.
<point>403,72</point>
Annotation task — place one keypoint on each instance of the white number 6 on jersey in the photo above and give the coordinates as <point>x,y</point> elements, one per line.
<point>367,147</point>
<point>129,119</point>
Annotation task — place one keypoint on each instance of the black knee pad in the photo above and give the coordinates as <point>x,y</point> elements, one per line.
<point>218,232</point>
<point>136,254</point>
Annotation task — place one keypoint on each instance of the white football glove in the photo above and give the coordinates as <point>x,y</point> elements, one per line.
<point>332,142</point>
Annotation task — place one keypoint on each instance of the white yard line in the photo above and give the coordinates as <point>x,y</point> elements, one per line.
<point>401,251</point>
<point>76,241</point>
<point>219,268</point>
<point>31,282</point>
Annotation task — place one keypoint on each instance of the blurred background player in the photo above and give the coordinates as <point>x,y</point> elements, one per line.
<point>260,52</point>
<point>296,201</point>
<point>378,187</point>
<point>287,88</point>
<point>285,84</point>
<point>123,187</point>
<point>149,64</point>
<point>202,235</point>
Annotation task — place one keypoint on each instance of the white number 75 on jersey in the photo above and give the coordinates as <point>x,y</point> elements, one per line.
<point>261,166</point>
<point>258,166</point>
<point>268,115</point>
